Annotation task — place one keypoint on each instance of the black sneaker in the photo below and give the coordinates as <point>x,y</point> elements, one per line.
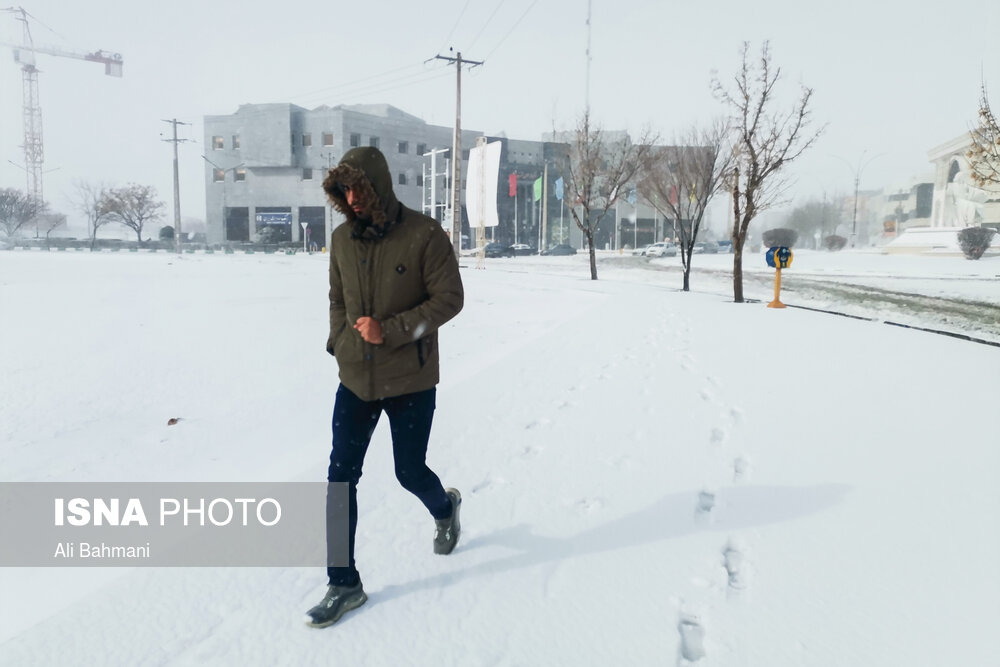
<point>338,601</point>
<point>448,530</point>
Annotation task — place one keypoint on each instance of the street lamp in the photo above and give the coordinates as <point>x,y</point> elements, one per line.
<point>862,163</point>
<point>225,221</point>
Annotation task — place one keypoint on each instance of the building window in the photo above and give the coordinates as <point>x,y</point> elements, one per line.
<point>404,146</point>
<point>402,178</point>
<point>240,175</point>
<point>355,140</point>
<point>236,142</point>
<point>307,140</point>
<point>421,149</point>
<point>218,175</point>
<point>420,180</point>
<point>307,174</point>
<point>373,142</point>
<point>218,143</point>
<point>328,138</point>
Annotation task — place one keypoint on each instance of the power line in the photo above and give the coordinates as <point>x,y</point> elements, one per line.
<point>391,84</point>
<point>347,84</point>
<point>457,21</point>
<point>486,25</point>
<point>513,27</point>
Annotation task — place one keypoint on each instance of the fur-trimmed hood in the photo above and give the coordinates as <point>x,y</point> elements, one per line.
<point>366,172</point>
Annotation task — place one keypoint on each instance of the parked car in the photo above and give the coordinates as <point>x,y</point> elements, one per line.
<point>706,247</point>
<point>726,246</point>
<point>661,250</point>
<point>523,249</point>
<point>561,249</point>
<point>641,251</point>
<point>498,250</point>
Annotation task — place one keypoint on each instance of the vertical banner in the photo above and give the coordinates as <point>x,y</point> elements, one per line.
<point>559,188</point>
<point>481,187</point>
<point>512,185</point>
<point>538,188</point>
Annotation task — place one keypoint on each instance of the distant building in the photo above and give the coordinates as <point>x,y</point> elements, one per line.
<point>900,207</point>
<point>957,202</point>
<point>265,164</point>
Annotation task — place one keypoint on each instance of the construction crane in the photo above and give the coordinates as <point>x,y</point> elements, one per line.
<point>24,54</point>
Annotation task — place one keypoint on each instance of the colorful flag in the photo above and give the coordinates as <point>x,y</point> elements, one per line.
<point>512,188</point>
<point>559,188</point>
<point>538,188</point>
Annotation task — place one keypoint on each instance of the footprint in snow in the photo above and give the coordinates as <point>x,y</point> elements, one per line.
<point>531,451</point>
<point>734,560</point>
<point>735,416</point>
<point>718,436</point>
<point>705,503</point>
<point>543,421</point>
<point>692,646</point>
<point>589,505</point>
<point>489,485</point>
<point>741,468</point>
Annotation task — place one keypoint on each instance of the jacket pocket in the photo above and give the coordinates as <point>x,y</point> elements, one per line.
<point>347,346</point>
<point>421,359</point>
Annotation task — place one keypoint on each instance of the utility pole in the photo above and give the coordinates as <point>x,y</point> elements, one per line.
<point>456,157</point>
<point>177,185</point>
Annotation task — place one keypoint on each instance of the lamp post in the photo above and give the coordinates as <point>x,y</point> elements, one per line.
<point>862,163</point>
<point>225,221</point>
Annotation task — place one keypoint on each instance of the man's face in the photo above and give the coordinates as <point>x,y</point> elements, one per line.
<point>352,201</point>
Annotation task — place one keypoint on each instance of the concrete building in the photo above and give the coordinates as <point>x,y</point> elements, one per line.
<point>957,201</point>
<point>265,164</point>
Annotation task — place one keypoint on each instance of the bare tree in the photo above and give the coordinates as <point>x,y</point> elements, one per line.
<point>90,200</point>
<point>681,180</point>
<point>765,142</point>
<point>133,206</point>
<point>984,156</point>
<point>18,209</point>
<point>600,168</point>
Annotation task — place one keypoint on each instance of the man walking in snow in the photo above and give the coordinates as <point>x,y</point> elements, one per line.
<point>394,281</point>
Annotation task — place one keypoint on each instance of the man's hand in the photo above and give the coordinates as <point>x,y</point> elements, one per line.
<point>370,330</point>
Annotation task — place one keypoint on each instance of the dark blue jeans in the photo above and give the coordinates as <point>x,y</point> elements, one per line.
<point>354,420</point>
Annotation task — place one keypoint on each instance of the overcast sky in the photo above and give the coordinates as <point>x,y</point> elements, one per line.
<point>892,79</point>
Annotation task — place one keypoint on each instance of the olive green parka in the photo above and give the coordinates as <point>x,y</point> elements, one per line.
<point>399,268</point>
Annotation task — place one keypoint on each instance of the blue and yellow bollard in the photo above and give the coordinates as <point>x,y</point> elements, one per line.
<point>778,258</point>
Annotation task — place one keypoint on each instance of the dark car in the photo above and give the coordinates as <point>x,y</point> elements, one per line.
<point>708,247</point>
<point>498,250</point>
<point>561,249</point>
<point>523,249</point>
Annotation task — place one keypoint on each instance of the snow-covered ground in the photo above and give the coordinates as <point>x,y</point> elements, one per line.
<point>650,477</point>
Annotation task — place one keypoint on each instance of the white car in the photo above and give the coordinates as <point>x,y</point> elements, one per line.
<point>661,250</point>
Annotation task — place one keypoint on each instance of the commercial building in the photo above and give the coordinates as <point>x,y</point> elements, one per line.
<point>265,164</point>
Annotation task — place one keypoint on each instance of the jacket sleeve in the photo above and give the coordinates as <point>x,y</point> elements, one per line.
<point>445,296</point>
<point>338,311</point>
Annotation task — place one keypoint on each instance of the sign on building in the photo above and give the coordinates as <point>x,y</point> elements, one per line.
<point>274,218</point>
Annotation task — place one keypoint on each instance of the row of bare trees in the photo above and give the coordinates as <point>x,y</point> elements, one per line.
<point>134,206</point>
<point>742,153</point>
